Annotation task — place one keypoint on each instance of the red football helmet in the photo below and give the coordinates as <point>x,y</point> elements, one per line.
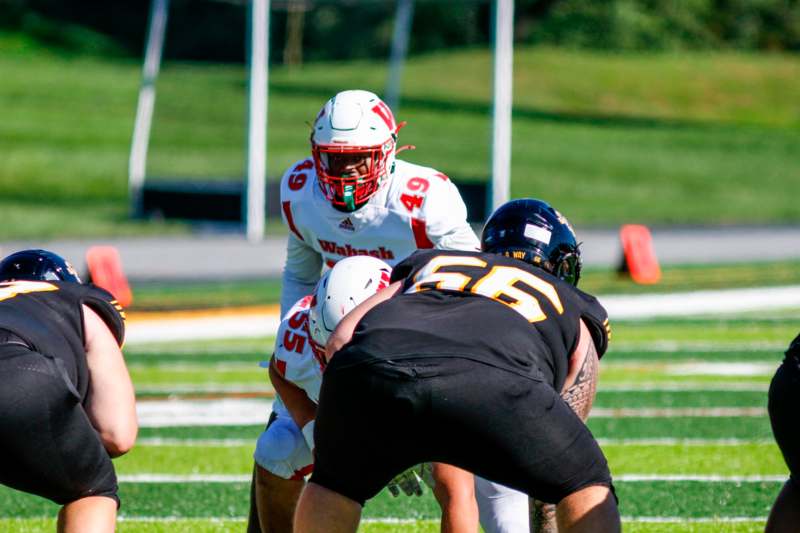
<point>354,144</point>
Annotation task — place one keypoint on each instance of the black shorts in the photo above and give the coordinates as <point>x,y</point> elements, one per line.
<point>375,420</point>
<point>48,445</point>
<point>784,399</point>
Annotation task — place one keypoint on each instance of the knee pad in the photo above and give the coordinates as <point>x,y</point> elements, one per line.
<point>282,450</point>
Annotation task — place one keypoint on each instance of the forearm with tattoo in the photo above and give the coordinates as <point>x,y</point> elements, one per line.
<point>580,397</point>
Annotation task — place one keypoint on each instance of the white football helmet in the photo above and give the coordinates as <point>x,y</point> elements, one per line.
<point>353,142</point>
<point>351,281</point>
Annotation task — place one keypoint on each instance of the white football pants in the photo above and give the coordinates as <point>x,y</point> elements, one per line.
<point>502,510</point>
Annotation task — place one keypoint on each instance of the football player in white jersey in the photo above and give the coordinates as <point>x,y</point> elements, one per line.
<point>284,450</point>
<point>353,197</point>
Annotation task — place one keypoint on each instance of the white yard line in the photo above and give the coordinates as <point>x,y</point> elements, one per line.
<point>698,368</point>
<point>698,520</point>
<point>204,388</point>
<point>195,443</point>
<point>192,366</point>
<point>672,346</point>
<point>166,328</point>
<point>184,478</point>
<point>701,302</point>
<point>722,368</point>
<point>682,386</point>
<point>635,478</point>
<point>218,412</point>
<point>670,412</point>
<point>684,442</point>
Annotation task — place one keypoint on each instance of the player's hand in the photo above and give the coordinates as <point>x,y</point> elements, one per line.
<point>408,482</point>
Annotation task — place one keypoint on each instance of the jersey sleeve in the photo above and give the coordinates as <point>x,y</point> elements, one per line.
<point>595,317</point>
<point>293,357</point>
<point>303,264</point>
<point>104,304</point>
<point>300,273</point>
<point>445,217</point>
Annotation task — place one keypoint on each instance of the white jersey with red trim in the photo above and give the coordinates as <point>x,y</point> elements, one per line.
<point>294,357</point>
<point>281,448</point>
<point>418,207</point>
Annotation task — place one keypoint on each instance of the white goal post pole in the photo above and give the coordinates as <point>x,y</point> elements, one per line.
<point>403,18</point>
<point>137,163</point>
<point>257,120</point>
<point>501,107</point>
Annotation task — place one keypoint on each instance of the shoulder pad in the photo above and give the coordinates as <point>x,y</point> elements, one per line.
<point>104,304</point>
<point>412,185</point>
<point>303,304</point>
<point>293,355</point>
<point>595,317</point>
<point>298,179</point>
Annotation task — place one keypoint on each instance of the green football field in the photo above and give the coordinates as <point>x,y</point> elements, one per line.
<point>680,414</point>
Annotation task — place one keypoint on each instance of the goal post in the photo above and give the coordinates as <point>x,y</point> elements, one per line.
<point>137,163</point>
<point>258,58</point>
<point>503,80</point>
<point>254,198</point>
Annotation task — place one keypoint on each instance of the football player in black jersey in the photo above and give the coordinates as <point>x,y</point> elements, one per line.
<point>490,357</point>
<point>784,396</point>
<point>67,403</point>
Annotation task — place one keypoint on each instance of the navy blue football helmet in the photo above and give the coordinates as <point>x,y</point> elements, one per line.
<point>532,231</point>
<point>37,265</point>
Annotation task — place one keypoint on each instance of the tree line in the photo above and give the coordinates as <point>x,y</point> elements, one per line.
<point>318,30</point>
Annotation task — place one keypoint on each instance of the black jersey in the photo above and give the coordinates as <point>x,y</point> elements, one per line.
<point>49,317</point>
<point>485,307</point>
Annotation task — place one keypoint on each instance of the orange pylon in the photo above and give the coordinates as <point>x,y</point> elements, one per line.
<point>105,271</point>
<point>639,257</point>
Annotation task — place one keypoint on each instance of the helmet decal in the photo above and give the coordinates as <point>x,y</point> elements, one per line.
<point>538,233</point>
<point>383,111</point>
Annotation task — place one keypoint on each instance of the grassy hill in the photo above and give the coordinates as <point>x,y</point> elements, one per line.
<point>609,138</point>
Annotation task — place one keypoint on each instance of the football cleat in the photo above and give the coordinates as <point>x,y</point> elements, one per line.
<point>532,231</point>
